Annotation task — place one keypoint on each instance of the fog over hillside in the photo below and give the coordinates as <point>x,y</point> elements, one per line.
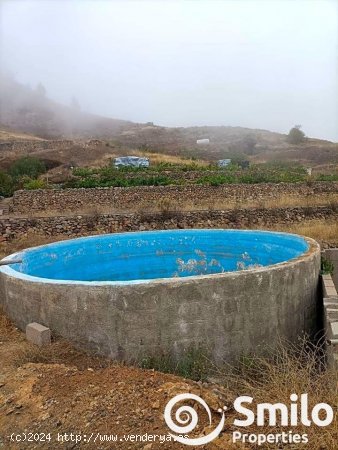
<point>256,64</point>
<point>29,110</point>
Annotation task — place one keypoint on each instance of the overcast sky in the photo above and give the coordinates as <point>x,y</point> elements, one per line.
<point>259,64</point>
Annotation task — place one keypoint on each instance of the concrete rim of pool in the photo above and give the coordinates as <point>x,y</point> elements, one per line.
<point>309,246</point>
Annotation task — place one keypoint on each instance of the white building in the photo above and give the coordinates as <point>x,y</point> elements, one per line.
<point>202,141</point>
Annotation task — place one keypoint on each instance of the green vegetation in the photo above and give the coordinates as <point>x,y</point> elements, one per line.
<point>160,175</point>
<point>326,267</point>
<point>105,179</point>
<point>31,184</point>
<point>258,173</point>
<point>110,171</point>
<point>23,173</point>
<point>6,184</point>
<point>194,364</point>
<point>327,177</point>
<point>27,166</point>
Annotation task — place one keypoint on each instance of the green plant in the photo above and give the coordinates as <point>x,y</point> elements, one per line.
<point>194,364</point>
<point>6,184</point>
<point>326,266</point>
<point>27,166</point>
<point>35,184</point>
<point>82,172</point>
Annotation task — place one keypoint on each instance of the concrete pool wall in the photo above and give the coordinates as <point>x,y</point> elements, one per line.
<point>229,314</point>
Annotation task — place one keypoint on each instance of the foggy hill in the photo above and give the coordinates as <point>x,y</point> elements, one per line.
<point>27,110</point>
<point>30,111</point>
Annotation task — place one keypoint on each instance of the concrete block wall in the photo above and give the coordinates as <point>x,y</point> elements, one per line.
<point>331,319</point>
<point>332,255</point>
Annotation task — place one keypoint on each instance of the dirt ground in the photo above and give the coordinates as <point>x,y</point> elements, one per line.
<point>50,392</point>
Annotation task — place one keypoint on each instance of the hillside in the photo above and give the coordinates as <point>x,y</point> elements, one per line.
<point>225,141</point>
<point>28,115</point>
<point>28,110</point>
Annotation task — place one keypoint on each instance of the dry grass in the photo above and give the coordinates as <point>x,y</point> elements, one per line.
<point>26,241</point>
<point>5,324</point>
<point>191,204</point>
<point>211,204</point>
<point>55,353</point>
<point>165,158</point>
<point>317,229</point>
<point>290,201</point>
<point>267,203</point>
<point>60,351</point>
<point>16,136</point>
<point>154,157</point>
<point>292,369</point>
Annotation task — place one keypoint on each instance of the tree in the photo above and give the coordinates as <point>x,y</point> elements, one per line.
<point>75,104</point>
<point>296,135</point>
<point>41,90</point>
<point>249,145</point>
<point>27,166</point>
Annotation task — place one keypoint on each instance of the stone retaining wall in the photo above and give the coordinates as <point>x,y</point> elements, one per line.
<point>31,145</point>
<point>76,225</point>
<point>130,198</point>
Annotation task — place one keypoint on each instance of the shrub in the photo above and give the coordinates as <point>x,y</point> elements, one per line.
<point>296,135</point>
<point>35,184</point>
<point>27,166</point>
<point>6,184</point>
<point>194,364</point>
<point>326,267</point>
<point>82,172</point>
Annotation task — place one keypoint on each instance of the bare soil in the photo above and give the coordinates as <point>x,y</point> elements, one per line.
<point>58,390</point>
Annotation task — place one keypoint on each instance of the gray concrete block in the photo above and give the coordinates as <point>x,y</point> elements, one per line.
<point>326,277</point>
<point>334,328</point>
<point>331,301</point>
<point>332,314</point>
<point>329,283</point>
<point>335,361</point>
<point>329,291</point>
<point>38,334</point>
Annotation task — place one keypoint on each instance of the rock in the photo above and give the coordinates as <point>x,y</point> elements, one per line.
<point>156,404</point>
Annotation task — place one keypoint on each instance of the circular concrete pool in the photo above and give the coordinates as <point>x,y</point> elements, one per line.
<point>130,295</point>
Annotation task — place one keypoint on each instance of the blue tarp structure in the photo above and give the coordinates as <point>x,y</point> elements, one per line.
<point>131,161</point>
<point>223,162</point>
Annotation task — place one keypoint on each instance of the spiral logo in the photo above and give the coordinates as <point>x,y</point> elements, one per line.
<point>187,417</point>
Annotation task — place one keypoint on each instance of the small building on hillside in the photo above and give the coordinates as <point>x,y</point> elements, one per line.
<point>131,161</point>
<point>202,141</point>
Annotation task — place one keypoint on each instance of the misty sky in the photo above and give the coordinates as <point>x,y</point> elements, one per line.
<point>259,64</point>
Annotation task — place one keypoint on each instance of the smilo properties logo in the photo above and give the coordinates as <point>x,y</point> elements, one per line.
<point>294,414</point>
<point>187,417</point>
